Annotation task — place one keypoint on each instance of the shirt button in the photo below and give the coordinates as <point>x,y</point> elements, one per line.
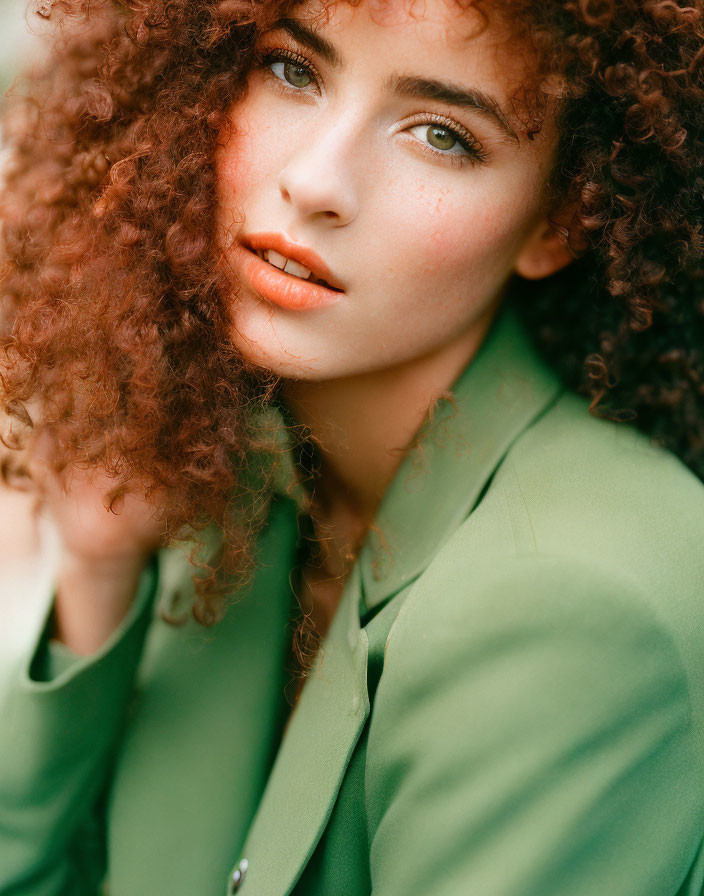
<point>238,876</point>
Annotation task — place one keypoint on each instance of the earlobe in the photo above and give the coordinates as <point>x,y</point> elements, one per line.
<point>545,252</point>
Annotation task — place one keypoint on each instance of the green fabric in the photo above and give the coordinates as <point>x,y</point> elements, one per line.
<point>57,660</point>
<point>55,744</point>
<point>510,701</point>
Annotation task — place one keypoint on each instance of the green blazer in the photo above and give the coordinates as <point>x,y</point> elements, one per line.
<point>509,702</point>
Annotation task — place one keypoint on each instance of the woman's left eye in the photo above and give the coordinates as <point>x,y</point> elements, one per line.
<point>448,142</point>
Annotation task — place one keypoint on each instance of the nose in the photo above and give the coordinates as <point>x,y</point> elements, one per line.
<point>320,178</point>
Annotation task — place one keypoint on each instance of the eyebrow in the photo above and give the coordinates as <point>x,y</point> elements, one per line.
<point>405,85</point>
<point>453,95</point>
<point>310,39</point>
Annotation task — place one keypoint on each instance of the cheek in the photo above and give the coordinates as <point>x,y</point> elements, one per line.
<point>249,154</point>
<point>468,233</point>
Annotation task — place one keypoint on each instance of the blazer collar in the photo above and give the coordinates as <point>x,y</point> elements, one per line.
<point>504,388</point>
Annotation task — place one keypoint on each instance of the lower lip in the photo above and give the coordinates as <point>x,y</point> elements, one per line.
<point>280,288</point>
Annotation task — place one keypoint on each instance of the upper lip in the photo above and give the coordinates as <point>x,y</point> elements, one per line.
<point>301,254</point>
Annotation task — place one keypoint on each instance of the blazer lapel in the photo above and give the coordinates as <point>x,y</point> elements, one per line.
<point>321,736</point>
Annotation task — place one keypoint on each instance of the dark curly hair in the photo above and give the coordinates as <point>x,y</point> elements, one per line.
<point>625,323</point>
<point>115,301</point>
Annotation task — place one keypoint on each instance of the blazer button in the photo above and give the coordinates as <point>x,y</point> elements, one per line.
<point>238,876</point>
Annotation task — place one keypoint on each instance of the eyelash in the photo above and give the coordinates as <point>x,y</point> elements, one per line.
<point>475,153</point>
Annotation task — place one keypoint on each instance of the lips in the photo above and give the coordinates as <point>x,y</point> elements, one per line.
<point>282,288</point>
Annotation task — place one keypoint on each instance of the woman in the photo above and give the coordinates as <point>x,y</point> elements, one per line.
<point>267,274</point>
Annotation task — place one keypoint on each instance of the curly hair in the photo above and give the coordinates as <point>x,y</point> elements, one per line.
<point>625,323</point>
<point>114,297</point>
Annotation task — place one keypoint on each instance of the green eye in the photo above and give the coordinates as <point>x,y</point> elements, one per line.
<point>289,69</point>
<point>296,74</point>
<point>443,141</point>
<point>440,138</point>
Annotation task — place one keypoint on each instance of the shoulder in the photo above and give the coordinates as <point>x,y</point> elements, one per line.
<point>601,497</point>
<point>594,493</point>
<point>543,728</point>
<point>585,506</point>
<point>583,563</point>
<point>542,692</point>
<point>591,486</point>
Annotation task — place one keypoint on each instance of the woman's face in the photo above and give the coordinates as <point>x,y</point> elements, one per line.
<point>381,140</point>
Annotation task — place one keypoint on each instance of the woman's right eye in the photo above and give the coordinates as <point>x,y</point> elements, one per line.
<point>296,74</point>
<point>290,69</point>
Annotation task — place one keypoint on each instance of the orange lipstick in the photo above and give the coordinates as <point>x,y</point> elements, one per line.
<point>284,289</point>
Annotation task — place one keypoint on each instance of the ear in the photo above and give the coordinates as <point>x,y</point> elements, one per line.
<point>546,249</point>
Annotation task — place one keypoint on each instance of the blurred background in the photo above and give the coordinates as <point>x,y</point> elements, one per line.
<point>15,39</point>
<point>26,549</point>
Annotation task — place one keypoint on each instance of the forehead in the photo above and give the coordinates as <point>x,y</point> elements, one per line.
<point>446,18</point>
<point>445,25</point>
<point>458,38</point>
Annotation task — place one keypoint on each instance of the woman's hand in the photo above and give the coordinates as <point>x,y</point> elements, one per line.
<point>104,546</point>
<point>93,530</point>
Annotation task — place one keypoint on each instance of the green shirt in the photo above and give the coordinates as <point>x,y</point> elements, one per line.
<point>509,701</point>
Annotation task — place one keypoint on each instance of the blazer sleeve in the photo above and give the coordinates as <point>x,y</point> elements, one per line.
<point>60,722</point>
<point>532,735</point>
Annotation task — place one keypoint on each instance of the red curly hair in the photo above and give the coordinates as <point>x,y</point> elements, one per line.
<point>116,307</point>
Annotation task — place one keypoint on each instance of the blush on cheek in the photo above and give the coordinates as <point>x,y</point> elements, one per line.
<point>452,241</point>
<point>248,148</point>
<point>432,229</point>
<point>444,245</point>
<point>235,167</point>
<point>461,235</point>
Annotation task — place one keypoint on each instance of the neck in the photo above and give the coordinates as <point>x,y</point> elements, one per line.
<point>363,426</point>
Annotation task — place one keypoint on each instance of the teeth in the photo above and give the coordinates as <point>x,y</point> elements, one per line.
<point>286,264</point>
<point>298,270</point>
<point>279,261</point>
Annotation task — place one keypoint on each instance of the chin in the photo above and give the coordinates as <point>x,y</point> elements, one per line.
<point>274,358</point>
<point>275,348</point>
